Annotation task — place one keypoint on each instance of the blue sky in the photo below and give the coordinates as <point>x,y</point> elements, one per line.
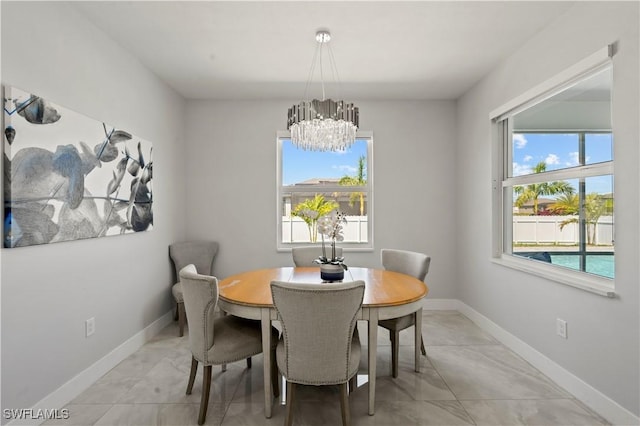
<point>559,151</point>
<point>556,150</point>
<point>299,165</point>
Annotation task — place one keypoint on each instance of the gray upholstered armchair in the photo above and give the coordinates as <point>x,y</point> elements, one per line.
<point>409,263</point>
<point>304,256</point>
<point>198,253</point>
<point>235,338</point>
<point>313,355</point>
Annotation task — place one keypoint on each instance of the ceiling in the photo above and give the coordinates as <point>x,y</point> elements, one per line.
<point>264,49</point>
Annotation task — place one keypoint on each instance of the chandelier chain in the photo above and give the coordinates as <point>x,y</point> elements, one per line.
<point>321,74</point>
<point>311,70</point>
<point>334,70</point>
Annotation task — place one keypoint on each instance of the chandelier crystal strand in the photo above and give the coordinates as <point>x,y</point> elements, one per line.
<point>323,125</point>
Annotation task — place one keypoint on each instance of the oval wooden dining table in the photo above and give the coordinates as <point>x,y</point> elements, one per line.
<point>387,295</point>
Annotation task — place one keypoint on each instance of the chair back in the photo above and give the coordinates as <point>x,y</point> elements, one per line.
<point>406,262</point>
<point>304,256</point>
<point>200,294</point>
<point>198,253</point>
<point>318,322</point>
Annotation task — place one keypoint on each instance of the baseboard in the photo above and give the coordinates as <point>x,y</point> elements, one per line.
<point>591,397</point>
<point>440,304</point>
<point>78,384</point>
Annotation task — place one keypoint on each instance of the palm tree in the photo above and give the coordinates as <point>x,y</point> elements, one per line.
<point>533,191</point>
<point>360,179</point>
<point>594,206</point>
<point>312,209</point>
<point>566,204</point>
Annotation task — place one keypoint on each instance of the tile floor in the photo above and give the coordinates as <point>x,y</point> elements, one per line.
<point>468,378</point>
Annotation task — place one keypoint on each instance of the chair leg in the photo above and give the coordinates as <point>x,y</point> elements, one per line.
<point>181,318</point>
<point>206,387</point>
<point>249,362</point>
<point>424,351</point>
<point>344,405</point>
<point>353,383</point>
<point>395,348</point>
<point>192,375</point>
<point>288,421</point>
<point>274,375</point>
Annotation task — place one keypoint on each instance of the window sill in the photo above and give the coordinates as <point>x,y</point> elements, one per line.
<point>580,280</point>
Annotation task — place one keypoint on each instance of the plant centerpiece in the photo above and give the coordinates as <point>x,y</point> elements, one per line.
<point>330,226</point>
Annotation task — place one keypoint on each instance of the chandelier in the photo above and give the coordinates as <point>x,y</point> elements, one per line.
<point>323,125</point>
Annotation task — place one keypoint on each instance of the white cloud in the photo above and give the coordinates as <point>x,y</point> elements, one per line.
<point>552,159</point>
<point>574,159</point>
<point>527,158</point>
<point>521,169</point>
<point>519,141</point>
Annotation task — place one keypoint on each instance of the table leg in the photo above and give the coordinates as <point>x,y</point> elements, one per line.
<point>266,352</point>
<point>373,349</point>
<point>418,340</point>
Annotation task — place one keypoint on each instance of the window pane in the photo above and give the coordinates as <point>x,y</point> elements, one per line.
<point>545,218</point>
<point>598,147</point>
<point>549,224</point>
<point>300,167</point>
<point>539,152</point>
<point>546,198</point>
<point>300,211</point>
<point>316,183</point>
<point>599,213</point>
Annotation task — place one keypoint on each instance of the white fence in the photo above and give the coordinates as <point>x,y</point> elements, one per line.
<point>295,230</point>
<point>546,230</point>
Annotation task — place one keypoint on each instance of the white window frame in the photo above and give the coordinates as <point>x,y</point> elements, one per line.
<point>368,189</point>
<point>502,212</point>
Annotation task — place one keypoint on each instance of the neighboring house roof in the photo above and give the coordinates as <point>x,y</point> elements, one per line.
<point>541,202</point>
<point>318,181</point>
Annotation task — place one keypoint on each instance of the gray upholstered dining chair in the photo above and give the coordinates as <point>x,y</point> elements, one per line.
<point>217,340</point>
<point>409,263</point>
<point>312,355</point>
<point>304,256</point>
<point>198,253</point>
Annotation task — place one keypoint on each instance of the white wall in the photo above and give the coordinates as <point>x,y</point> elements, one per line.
<point>602,348</point>
<point>123,281</point>
<point>231,179</point>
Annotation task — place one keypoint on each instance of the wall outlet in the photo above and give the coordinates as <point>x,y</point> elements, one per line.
<point>561,328</point>
<point>90,326</point>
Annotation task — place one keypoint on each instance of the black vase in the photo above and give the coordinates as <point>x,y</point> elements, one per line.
<point>330,272</point>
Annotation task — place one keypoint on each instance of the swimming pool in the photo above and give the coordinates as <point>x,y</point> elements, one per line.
<point>603,265</point>
<point>597,264</point>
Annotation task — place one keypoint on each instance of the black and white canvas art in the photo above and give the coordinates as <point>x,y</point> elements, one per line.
<point>69,177</point>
